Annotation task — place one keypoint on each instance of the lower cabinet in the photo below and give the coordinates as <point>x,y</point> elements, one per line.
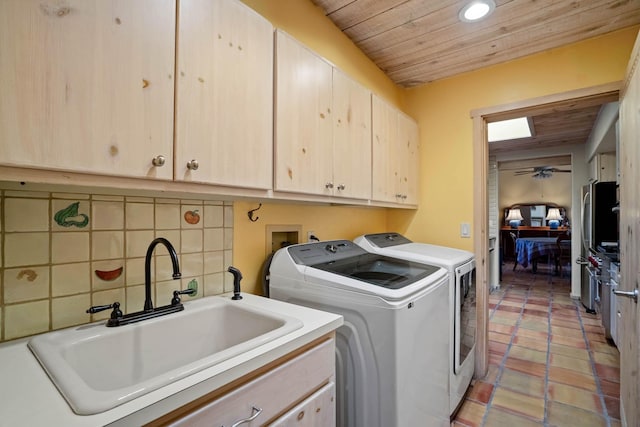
<point>318,410</point>
<point>299,391</point>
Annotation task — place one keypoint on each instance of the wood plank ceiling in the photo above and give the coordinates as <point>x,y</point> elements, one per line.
<point>419,41</point>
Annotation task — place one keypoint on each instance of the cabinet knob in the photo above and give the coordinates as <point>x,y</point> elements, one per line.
<point>158,160</point>
<point>341,187</point>
<point>193,165</point>
<point>328,185</point>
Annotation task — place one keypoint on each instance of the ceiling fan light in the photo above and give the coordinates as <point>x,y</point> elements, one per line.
<point>476,10</point>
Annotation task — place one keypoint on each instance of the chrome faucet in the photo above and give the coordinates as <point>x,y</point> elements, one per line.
<point>148,304</point>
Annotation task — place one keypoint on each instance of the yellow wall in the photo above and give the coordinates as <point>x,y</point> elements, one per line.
<point>307,23</point>
<point>442,110</point>
<point>327,222</point>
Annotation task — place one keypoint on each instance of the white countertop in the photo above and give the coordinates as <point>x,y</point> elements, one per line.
<point>30,398</point>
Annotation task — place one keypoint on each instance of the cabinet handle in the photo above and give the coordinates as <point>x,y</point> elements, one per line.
<point>398,196</point>
<point>629,294</point>
<point>341,187</point>
<point>158,160</point>
<point>328,185</point>
<point>254,414</point>
<point>193,165</point>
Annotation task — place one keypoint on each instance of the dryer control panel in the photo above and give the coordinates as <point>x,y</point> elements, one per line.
<point>385,240</point>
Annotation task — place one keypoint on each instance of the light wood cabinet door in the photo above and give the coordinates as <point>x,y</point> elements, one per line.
<point>303,382</point>
<point>384,158</point>
<point>318,410</point>
<point>408,147</point>
<point>303,153</point>
<point>395,154</point>
<point>224,108</point>
<point>351,138</point>
<point>87,85</point>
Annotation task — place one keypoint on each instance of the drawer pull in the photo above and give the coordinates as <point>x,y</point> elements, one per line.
<point>254,414</point>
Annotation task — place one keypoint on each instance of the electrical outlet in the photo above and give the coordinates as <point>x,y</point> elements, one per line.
<point>309,234</point>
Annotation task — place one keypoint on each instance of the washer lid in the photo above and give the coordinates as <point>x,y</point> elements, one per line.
<point>345,258</point>
<point>379,270</point>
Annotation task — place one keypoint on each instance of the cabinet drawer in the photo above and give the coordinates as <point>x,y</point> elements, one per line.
<point>274,392</point>
<point>318,410</point>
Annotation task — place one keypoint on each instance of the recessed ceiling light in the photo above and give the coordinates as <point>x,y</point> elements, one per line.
<point>476,10</point>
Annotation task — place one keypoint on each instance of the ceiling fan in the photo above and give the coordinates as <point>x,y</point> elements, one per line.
<point>540,172</point>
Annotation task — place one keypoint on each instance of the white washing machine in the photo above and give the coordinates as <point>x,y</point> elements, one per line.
<point>460,265</point>
<point>391,352</point>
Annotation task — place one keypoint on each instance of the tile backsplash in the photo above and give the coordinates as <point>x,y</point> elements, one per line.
<point>62,253</point>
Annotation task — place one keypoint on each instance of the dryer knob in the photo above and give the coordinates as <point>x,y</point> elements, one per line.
<point>332,248</point>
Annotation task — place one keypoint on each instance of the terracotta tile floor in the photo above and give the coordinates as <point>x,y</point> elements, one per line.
<point>549,362</point>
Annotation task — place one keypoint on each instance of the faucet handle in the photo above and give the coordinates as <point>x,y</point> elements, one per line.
<point>115,314</point>
<point>176,295</point>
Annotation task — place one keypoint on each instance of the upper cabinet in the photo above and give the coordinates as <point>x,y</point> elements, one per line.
<point>395,155</point>
<point>323,126</point>
<point>87,85</point>
<point>303,153</point>
<point>408,149</point>
<point>351,137</point>
<point>602,167</point>
<point>196,92</point>
<point>224,98</point>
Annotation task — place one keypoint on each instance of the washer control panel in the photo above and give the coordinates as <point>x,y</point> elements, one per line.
<point>318,252</point>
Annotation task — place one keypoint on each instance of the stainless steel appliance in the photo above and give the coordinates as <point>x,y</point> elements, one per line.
<point>599,228</point>
<point>590,285</point>
<point>614,271</point>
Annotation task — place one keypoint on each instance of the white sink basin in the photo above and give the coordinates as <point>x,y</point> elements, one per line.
<point>97,368</point>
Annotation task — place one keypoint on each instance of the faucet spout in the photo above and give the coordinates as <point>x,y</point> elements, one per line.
<point>148,303</point>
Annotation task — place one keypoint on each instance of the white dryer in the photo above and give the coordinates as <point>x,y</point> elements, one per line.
<point>391,352</point>
<point>460,265</point>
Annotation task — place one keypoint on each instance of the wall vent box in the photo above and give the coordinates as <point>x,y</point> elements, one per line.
<point>281,235</point>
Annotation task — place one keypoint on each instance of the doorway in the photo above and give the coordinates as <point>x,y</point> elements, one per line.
<point>597,95</point>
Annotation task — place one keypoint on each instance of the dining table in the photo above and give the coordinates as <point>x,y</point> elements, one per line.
<point>530,249</point>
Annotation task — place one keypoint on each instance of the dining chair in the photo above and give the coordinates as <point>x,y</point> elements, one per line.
<point>564,252</point>
<point>515,253</point>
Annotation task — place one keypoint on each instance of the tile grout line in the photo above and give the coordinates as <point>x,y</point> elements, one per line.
<point>506,353</point>
<point>596,377</point>
<point>545,418</point>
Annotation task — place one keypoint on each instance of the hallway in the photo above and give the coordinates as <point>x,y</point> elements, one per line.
<point>549,362</point>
